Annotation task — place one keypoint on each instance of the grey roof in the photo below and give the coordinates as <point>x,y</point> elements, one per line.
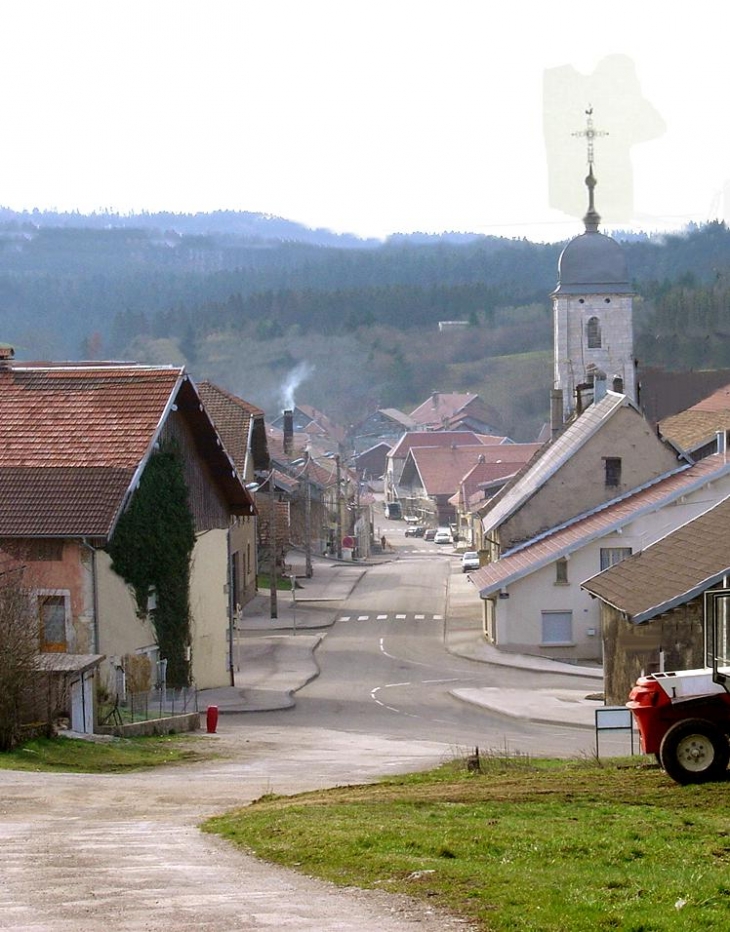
<point>68,663</point>
<point>554,456</point>
<point>592,263</point>
<point>395,415</point>
<point>596,524</point>
<point>676,569</point>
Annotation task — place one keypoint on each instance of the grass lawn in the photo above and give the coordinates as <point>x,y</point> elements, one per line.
<point>75,755</point>
<point>569,846</point>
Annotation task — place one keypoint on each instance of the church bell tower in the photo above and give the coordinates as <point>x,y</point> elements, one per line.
<point>592,309</point>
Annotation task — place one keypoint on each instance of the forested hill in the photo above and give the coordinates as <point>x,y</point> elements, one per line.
<point>229,292</point>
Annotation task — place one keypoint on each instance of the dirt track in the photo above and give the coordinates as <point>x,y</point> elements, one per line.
<point>123,852</point>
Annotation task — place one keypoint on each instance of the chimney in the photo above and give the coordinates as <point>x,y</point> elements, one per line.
<point>434,400</point>
<point>721,442</point>
<point>618,384</point>
<point>288,431</point>
<point>7,353</point>
<point>556,412</point>
<point>599,386</point>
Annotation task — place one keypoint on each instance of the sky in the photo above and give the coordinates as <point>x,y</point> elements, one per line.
<point>373,117</point>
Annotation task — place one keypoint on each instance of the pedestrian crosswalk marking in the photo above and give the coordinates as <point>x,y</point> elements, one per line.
<point>398,617</point>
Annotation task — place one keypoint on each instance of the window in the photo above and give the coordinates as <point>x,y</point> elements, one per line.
<point>52,612</point>
<point>613,471</point>
<point>561,572</point>
<point>557,627</point>
<point>610,556</point>
<point>593,332</point>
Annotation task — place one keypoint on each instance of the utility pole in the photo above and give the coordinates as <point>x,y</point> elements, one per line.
<point>272,548</point>
<point>308,530</point>
<point>338,519</point>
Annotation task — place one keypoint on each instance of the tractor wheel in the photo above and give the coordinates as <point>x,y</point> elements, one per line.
<point>695,751</point>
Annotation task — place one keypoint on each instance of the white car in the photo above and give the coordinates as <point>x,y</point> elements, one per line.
<point>443,536</point>
<point>469,561</point>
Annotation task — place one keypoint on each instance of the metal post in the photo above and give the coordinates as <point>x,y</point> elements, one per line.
<point>294,601</point>
<point>308,531</point>
<point>338,520</point>
<point>272,549</point>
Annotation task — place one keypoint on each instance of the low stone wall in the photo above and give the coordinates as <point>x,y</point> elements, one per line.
<point>173,724</point>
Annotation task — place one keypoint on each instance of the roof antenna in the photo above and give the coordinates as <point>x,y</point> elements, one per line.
<point>592,217</point>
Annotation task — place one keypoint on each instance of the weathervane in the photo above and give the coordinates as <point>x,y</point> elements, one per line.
<point>592,217</point>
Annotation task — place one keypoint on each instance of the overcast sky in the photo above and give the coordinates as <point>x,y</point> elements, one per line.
<point>369,116</point>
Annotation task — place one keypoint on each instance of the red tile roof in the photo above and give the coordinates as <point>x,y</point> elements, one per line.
<point>439,438</point>
<point>442,406</point>
<point>442,470</point>
<point>73,439</point>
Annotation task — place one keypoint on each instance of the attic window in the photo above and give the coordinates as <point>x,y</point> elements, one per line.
<point>561,572</point>
<point>593,332</point>
<point>613,471</point>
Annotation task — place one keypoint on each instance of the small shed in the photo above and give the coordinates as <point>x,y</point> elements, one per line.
<point>74,675</point>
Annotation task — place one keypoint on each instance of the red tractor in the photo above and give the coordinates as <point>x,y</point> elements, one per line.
<point>683,717</point>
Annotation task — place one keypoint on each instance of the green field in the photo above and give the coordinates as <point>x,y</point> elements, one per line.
<point>521,845</point>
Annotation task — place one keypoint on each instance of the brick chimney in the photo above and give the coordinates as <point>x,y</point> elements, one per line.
<point>288,431</point>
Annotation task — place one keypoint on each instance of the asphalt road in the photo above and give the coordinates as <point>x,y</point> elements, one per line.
<point>384,670</point>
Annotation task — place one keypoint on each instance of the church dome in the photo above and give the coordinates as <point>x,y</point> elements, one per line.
<point>592,263</point>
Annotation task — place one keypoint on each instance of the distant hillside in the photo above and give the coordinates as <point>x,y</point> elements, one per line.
<point>247,299</point>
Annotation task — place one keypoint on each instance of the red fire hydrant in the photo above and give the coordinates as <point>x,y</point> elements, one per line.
<point>212,719</point>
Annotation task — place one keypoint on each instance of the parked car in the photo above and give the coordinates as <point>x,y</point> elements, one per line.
<point>415,530</point>
<point>469,561</point>
<point>429,533</point>
<point>443,536</point>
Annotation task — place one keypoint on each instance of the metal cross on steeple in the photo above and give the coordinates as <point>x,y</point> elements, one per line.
<point>592,217</point>
<point>590,133</point>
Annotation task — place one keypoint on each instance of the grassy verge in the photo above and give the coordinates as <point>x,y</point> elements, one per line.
<point>282,582</point>
<point>525,846</point>
<point>74,755</point>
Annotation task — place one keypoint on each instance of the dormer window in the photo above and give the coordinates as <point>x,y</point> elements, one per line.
<point>593,332</point>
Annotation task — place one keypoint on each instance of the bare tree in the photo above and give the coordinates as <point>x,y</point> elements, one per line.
<point>18,655</point>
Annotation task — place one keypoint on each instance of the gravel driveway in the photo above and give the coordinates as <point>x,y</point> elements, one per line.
<point>123,852</point>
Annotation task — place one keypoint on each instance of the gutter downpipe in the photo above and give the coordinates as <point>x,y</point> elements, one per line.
<point>94,596</point>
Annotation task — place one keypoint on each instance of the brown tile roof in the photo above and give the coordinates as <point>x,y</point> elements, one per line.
<point>697,425</point>
<point>74,437</point>
<point>664,393</point>
<point>671,572</point>
<point>232,417</point>
<point>62,501</point>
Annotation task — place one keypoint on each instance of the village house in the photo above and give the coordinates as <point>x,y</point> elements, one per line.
<point>604,452</point>
<point>432,475</point>
<point>426,438</point>
<point>455,411</point>
<point>651,604</point>
<point>84,448</point>
<point>242,429</point>
<point>532,597</point>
